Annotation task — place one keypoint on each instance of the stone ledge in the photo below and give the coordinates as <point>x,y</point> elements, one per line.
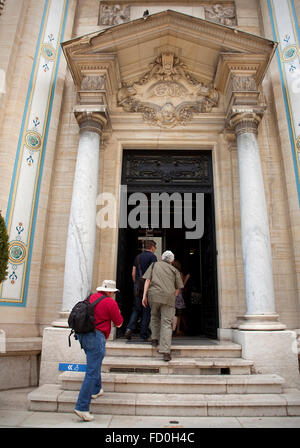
<point>23,346</point>
<point>51,397</point>
<point>186,384</point>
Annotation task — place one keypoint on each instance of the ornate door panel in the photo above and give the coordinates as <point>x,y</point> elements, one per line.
<point>167,171</point>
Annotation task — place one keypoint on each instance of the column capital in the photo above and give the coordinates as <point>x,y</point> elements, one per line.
<point>245,119</point>
<point>93,119</point>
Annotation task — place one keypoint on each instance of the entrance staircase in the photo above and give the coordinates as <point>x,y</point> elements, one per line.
<point>204,378</point>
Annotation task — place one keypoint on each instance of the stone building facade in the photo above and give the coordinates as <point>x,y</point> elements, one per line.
<point>197,96</point>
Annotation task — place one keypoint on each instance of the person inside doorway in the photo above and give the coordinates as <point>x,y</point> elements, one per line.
<point>179,321</point>
<point>161,287</point>
<point>141,264</point>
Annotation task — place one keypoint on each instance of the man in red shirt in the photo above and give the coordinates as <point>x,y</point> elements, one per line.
<point>93,343</point>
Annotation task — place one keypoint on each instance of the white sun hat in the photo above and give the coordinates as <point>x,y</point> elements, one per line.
<point>108,285</point>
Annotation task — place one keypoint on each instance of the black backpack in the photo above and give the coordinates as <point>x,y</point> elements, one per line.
<point>82,317</point>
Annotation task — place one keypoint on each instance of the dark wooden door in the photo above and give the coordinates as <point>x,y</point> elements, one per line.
<point>172,171</point>
<point>209,272</point>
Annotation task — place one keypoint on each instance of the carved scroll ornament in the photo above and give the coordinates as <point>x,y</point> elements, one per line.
<point>167,94</point>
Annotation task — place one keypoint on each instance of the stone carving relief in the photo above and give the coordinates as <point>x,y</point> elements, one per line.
<point>225,15</point>
<point>167,169</point>
<point>244,83</point>
<point>167,94</point>
<point>92,82</point>
<point>110,15</point>
<point>2,3</point>
<point>113,14</point>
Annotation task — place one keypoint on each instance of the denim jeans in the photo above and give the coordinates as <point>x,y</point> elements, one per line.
<point>139,309</point>
<point>93,344</point>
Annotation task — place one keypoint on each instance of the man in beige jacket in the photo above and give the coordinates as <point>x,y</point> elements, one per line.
<point>161,286</point>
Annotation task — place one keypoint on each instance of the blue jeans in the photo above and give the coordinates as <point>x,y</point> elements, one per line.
<point>139,309</point>
<point>93,344</point>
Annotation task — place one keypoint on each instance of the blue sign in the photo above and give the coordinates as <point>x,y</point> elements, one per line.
<point>71,367</point>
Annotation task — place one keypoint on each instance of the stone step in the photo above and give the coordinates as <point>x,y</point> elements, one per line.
<point>215,349</point>
<point>189,366</point>
<point>50,397</point>
<point>184,384</point>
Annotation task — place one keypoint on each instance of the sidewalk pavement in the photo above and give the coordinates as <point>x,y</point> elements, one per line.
<point>14,413</point>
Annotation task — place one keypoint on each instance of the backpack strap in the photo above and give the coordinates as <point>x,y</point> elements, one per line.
<point>71,332</point>
<point>95,303</point>
<point>97,300</point>
<point>152,269</point>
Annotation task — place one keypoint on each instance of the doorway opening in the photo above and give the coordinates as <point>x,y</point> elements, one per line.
<point>196,256</point>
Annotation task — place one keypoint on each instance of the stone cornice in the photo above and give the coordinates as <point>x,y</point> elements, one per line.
<point>237,64</point>
<point>188,27</point>
<point>105,65</point>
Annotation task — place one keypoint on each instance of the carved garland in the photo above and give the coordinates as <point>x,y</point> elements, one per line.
<point>166,83</point>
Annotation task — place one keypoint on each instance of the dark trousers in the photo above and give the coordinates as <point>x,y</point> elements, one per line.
<point>139,310</point>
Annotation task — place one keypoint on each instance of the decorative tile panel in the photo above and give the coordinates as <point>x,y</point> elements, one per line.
<point>286,32</point>
<point>26,181</point>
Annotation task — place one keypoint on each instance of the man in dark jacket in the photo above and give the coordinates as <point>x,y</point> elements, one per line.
<point>141,264</point>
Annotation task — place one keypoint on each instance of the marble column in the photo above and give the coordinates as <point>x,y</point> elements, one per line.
<point>256,247</point>
<point>82,223</point>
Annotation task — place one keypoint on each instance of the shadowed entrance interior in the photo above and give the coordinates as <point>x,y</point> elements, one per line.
<point>161,172</point>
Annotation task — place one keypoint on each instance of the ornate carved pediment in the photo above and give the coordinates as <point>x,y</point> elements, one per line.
<point>167,94</point>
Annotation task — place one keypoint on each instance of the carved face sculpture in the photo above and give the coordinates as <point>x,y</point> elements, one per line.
<point>167,114</point>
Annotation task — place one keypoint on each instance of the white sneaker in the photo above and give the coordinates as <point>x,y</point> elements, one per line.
<point>98,394</point>
<point>84,415</point>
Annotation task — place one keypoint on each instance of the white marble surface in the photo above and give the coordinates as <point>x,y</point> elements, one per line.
<point>82,224</point>
<point>272,352</point>
<point>257,256</point>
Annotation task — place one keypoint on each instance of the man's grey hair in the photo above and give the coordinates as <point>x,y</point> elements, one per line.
<point>168,256</point>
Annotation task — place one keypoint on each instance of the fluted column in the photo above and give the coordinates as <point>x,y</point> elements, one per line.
<point>256,247</point>
<point>82,223</point>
